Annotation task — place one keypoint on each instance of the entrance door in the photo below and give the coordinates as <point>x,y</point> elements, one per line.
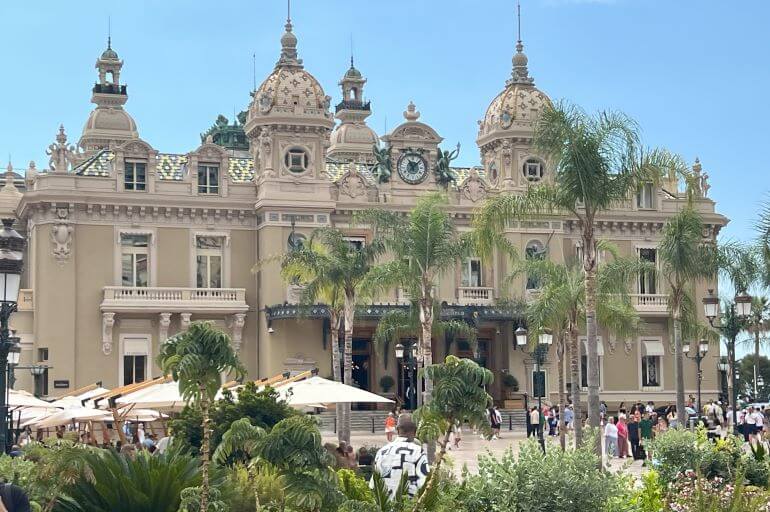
<point>362,367</point>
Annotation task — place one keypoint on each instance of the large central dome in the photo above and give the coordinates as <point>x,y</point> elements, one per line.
<point>517,107</point>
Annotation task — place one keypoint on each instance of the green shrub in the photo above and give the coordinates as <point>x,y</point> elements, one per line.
<point>147,483</point>
<point>354,487</point>
<point>554,482</point>
<point>261,407</point>
<point>757,472</point>
<point>510,382</point>
<point>676,451</point>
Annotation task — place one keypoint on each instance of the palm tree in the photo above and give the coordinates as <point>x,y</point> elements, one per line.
<point>598,163</point>
<point>304,265</point>
<point>425,244</point>
<point>561,307</point>
<point>684,260</point>
<point>335,267</point>
<point>196,359</point>
<point>758,323</point>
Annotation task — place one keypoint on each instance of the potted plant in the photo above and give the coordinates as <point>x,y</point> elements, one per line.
<point>511,385</point>
<point>386,383</point>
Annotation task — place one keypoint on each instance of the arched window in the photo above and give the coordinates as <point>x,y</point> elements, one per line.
<point>535,250</point>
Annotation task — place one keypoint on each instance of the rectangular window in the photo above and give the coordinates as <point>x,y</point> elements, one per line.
<point>133,369</point>
<point>208,179</point>
<point>647,280</point>
<point>134,254</point>
<point>41,383</point>
<point>42,355</point>
<point>209,261</point>
<point>356,242</point>
<point>645,197</point>
<point>472,276</point>
<point>135,352</point>
<point>135,176</point>
<point>538,383</point>
<point>650,371</point>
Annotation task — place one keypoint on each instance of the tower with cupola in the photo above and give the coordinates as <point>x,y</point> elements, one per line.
<point>352,140</point>
<point>288,126</point>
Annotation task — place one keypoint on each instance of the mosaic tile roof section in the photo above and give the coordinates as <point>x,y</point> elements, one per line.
<point>335,170</point>
<point>241,170</point>
<point>171,167</point>
<point>97,165</point>
<point>463,173</point>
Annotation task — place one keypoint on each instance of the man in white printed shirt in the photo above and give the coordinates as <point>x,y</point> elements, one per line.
<point>403,455</point>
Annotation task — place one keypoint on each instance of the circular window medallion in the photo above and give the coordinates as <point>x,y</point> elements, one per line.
<point>296,160</point>
<point>533,169</point>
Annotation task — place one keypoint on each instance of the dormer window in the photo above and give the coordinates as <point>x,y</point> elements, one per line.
<point>208,179</point>
<point>297,160</point>
<point>645,197</point>
<point>533,169</point>
<point>135,176</point>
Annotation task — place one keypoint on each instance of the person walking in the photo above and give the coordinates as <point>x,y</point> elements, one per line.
<point>622,437</point>
<point>569,417</point>
<point>534,421</point>
<point>611,438</point>
<point>633,436</point>
<point>645,432</point>
<point>495,421</point>
<point>402,456</point>
<point>390,426</point>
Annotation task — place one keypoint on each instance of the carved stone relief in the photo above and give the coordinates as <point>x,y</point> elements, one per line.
<point>474,188</point>
<point>108,322</point>
<point>237,322</point>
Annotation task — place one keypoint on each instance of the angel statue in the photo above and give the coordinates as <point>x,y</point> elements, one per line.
<point>444,173</point>
<point>381,167</point>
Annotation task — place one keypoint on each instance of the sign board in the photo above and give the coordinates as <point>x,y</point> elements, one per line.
<point>59,384</point>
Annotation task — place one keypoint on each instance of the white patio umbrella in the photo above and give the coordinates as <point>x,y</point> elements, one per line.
<point>77,400</point>
<point>317,390</point>
<point>25,399</point>
<point>164,396</point>
<point>145,415</point>
<point>67,416</point>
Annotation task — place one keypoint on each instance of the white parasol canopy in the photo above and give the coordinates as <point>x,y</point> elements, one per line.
<point>77,400</point>
<point>317,390</point>
<point>67,416</point>
<point>145,415</point>
<point>164,396</point>
<point>25,399</point>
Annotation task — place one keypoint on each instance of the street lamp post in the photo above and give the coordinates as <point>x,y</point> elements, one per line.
<point>700,354</point>
<point>11,264</point>
<point>739,309</point>
<point>407,359</point>
<point>544,340</point>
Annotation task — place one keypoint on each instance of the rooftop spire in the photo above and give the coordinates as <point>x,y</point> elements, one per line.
<point>109,34</point>
<point>288,43</point>
<point>520,73</point>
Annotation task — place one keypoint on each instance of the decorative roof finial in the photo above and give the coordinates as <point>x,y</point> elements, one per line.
<point>351,51</point>
<point>520,73</point>
<point>109,34</point>
<point>411,114</point>
<point>9,175</point>
<point>288,43</point>
<point>61,137</point>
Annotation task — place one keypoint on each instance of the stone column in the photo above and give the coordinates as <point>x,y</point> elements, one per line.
<point>237,322</point>
<point>185,320</point>
<point>163,324</point>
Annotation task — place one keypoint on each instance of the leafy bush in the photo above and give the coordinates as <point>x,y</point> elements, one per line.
<point>691,493</point>
<point>146,483</point>
<point>676,451</point>
<point>510,382</point>
<point>757,472</point>
<point>261,407</point>
<point>354,487</point>
<point>554,482</point>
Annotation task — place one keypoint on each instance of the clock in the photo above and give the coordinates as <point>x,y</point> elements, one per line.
<point>412,168</point>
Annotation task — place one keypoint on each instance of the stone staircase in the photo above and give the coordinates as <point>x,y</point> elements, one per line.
<point>374,421</point>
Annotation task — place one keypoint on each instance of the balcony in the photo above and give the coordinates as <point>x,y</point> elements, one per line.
<point>478,295</point>
<point>129,299</point>
<point>26,300</point>
<point>649,303</point>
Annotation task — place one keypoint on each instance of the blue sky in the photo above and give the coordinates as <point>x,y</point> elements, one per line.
<point>695,74</point>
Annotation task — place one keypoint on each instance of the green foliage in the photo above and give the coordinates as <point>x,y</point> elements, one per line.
<point>261,407</point>
<point>354,487</point>
<point>386,383</point>
<point>650,497</point>
<point>111,482</point>
<point>677,451</point>
<point>191,498</point>
<point>197,358</point>
<point>510,382</point>
<point>759,451</point>
<point>745,368</point>
<point>757,472</point>
<point>557,481</point>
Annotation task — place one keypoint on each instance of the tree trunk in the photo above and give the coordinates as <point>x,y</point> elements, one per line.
<point>334,323</point>
<point>756,360</point>
<point>681,412</point>
<point>574,366</point>
<point>426,322</point>
<point>562,393</point>
<point>594,419</point>
<point>433,475</point>
<point>350,310</point>
<point>205,448</point>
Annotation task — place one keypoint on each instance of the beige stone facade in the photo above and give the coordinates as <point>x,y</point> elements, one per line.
<point>128,244</point>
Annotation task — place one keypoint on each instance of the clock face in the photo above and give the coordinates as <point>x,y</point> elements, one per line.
<point>412,168</point>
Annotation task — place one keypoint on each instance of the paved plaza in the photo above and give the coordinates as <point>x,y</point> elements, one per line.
<point>472,446</point>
